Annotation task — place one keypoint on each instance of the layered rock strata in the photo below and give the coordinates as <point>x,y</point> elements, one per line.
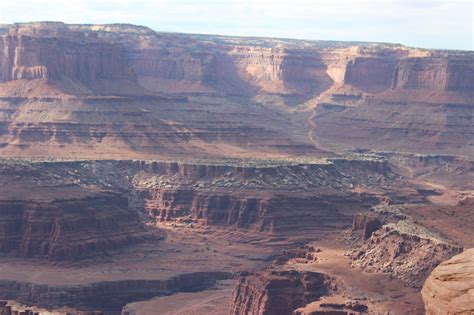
<point>79,208</point>
<point>51,52</point>
<point>68,228</point>
<point>422,98</point>
<point>275,214</point>
<point>440,127</point>
<point>270,199</point>
<point>278,292</point>
<point>122,127</point>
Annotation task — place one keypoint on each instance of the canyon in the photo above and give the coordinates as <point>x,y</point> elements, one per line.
<point>146,172</point>
<point>192,91</point>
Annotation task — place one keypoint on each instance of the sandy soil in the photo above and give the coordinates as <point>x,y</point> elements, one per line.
<point>209,302</point>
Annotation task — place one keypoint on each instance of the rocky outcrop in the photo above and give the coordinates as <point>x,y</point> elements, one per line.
<point>407,256</point>
<point>68,228</point>
<point>260,213</point>
<point>453,221</point>
<point>337,307</point>
<point>294,199</point>
<point>328,172</point>
<point>278,292</point>
<point>111,295</point>
<point>450,286</point>
<point>366,223</point>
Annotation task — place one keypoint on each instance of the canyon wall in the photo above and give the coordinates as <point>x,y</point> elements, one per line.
<point>82,208</point>
<point>281,70</point>
<point>86,55</point>
<point>50,51</point>
<point>142,127</point>
<point>218,64</point>
<point>68,228</point>
<point>225,91</point>
<point>439,127</point>
<point>258,197</point>
<point>268,213</point>
<point>370,73</point>
<point>420,104</point>
<point>27,57</point>
<point>435,73</point>
<point>278,292</point>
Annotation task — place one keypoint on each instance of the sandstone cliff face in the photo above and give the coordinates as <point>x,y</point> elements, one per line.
<point>176,72</point>
<point>187,63</point>
<point>421,73</point>
<point>208,208</point>
<point>317,173</point>
<point>68,228</point>
<point>449,288</point>
<point>69,57</point>
<point>296,199</point>
<point>161,63</point>
<point>267,213</point>
<point>282,71</point>
<point>370,73</point>
<point>278,292</point>
<point>434,72</point>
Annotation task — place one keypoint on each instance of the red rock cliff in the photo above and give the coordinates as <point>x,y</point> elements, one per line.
<point>41,51</point>
<point>67,228</point>
<point>363,89</point>
<point>277,292</point>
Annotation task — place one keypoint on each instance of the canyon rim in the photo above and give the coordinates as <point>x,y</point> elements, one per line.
<point>146,172</point>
